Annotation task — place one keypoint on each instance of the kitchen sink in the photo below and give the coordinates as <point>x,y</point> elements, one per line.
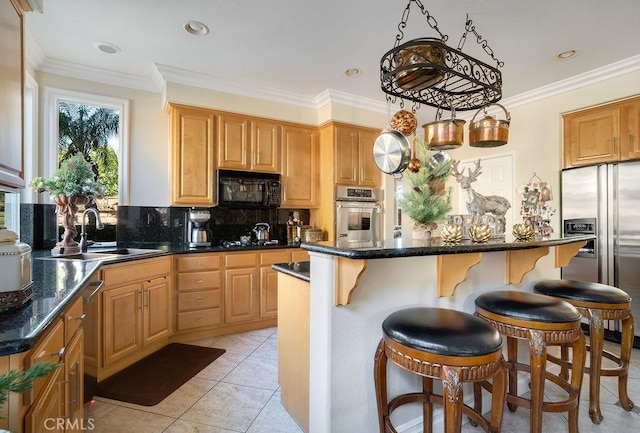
<point>107,254</point>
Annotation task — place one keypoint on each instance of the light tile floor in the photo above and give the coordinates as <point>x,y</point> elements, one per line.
<point>239,392</point>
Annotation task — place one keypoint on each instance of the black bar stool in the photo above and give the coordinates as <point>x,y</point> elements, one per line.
<point>542,321</point>
<point>448,345</point>
<point>597,302</point>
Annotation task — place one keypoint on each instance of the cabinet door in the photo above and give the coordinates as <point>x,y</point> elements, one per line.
<point>156,310</point>
<point>74,401</point>
<point>630,131</point>
<point>300,167</point>
<point>122,322</point>
<point>592,136</point>
<point>192,181</point>
<point>43,416</point>
<point>346,156</point>
<point>265,146</point>
<point>240,298</point>
<point>233,142</point>
<point>268,293</point>
<point>368,171</point>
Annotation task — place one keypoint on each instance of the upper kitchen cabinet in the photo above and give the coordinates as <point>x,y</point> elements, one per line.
<point>11,95</point>
<point>608,133</point>
<point>192,151</point>
<point>300,166</point>
<point>630,125</point>
<point>354,163</point>
<point>245,143</point>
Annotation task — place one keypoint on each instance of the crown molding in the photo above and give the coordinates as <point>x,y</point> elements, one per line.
<point>626,66</point>
<point>105,76</point>
<point>206,81</point>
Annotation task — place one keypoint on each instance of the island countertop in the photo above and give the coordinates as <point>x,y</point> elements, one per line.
<point>407,247</point>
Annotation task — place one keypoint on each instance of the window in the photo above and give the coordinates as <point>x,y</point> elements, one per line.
<point>95,126</point>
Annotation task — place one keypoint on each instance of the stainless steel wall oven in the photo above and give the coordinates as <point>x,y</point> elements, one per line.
<point>358,213</point>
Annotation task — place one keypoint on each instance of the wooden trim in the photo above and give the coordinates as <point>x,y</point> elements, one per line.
<point>564,253</point>
<point>453,269</point>
<point>519,262</point>
<point>347,275</point>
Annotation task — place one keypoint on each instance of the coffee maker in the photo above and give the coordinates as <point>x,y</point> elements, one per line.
<point>198,234</point>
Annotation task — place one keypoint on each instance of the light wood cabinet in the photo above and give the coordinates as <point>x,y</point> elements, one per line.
<point>199,291</point>
<point>136,311</point>
<point>609,133</point>
<point>247,143</point>
<point>354,163</point>
<point>240,287</point>
<point>269,281</point>
<point>192,156</point>
<point>11,96</point>
<point>57,400</point>
<point>300,166</point>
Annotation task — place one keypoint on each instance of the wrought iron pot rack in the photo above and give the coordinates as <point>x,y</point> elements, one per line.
<point>427,71</point>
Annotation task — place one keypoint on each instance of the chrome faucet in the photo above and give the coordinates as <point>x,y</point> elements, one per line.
<point>83,233</point>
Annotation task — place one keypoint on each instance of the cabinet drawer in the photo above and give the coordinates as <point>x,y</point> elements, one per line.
<point>197,319</point>
<point>198,262</point>
<point>199,300</point>
<point>268,259</point>
<point>240,260</point>
<point>299,255</point>
<point>73,318</point>
<point>136,270</point>
<point>199,280</point>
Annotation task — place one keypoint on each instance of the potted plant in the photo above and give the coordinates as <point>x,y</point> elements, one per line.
<point>20,381</point>
<point>73,184</point>
<point>427,200</point>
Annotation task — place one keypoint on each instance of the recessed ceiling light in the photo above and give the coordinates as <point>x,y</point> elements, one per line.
<point>107,47</point>
<point>566,55</point>
<point>196,28</point>
<point>353,72</point>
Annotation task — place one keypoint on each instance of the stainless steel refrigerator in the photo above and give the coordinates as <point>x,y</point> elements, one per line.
<point>605,198</point>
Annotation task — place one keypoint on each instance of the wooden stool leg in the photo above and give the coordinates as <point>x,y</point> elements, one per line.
<point>477,401</point>
<point>452,398</point>
<point>625,356</point>
<point>499,391</point>
<point>564,369</point>
<point>427,406</point>
<point>538,358</point>
<point>380,380</point>
<point>596,339</point>
<point>512,356</point>
<point>577,373</point>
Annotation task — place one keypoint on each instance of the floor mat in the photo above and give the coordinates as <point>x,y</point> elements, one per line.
<point>152,379</point>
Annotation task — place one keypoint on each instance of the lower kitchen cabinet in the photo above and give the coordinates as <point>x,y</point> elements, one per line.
<point>198,291</point>
<point>136,311</point>
<point>56,402</point>
<point>269,281</point>
<point>240,287</point>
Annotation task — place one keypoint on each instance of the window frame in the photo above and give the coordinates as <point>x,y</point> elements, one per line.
<point>52,97</point>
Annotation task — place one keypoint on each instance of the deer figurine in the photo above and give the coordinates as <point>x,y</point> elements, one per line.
<point>478,204</point>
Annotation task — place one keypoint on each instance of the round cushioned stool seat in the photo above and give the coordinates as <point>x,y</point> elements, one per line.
<point>582,291</point>
<point>442,332</point>
<point>527,306</point>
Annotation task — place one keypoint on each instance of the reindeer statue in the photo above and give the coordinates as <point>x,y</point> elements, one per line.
<point>478,204</point>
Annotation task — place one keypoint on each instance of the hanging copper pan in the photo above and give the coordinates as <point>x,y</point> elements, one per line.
<point>489,132</point>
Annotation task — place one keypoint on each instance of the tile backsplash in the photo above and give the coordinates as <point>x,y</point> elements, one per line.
<point>140,225</point>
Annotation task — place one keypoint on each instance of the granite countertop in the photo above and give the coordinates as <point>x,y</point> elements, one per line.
<point>301,270</point>
<point>56,283</point>
<point>406,247</point>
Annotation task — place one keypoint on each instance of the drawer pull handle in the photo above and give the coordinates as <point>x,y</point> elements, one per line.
<point>199,319</point>
<point>98,286</point>
<point>59,353</point>
<point>199,281</point>
<point>77,318</point>
<point>199,301</point>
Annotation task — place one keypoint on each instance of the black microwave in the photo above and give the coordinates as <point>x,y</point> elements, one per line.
<point>244,189</point>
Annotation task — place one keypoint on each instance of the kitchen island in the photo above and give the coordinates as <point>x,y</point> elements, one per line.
<point>353,288</point>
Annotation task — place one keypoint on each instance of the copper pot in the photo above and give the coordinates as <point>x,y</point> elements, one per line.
<point>419,64</point>
<point>489,132</point>
<point>444,134</point>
